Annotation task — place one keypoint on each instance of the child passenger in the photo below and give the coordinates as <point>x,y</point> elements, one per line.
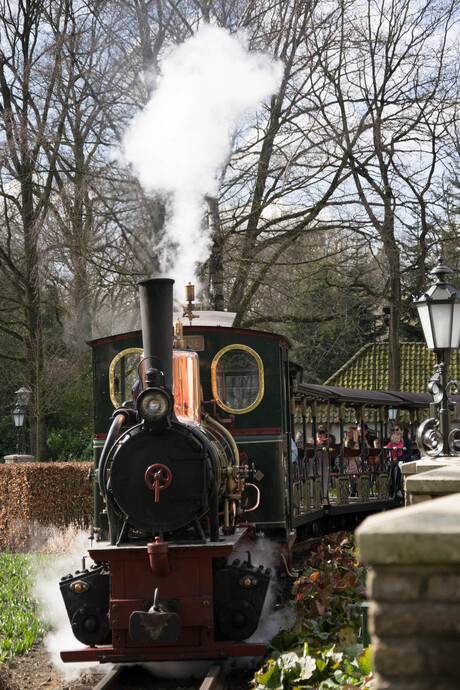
<point>396,446</point>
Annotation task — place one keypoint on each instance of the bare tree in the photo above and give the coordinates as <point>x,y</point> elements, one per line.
<point>31,128</point>
<point>390,107</point>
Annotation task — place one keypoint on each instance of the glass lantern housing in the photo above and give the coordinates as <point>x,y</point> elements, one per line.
<point>439,313</point>
<point>18,415</point>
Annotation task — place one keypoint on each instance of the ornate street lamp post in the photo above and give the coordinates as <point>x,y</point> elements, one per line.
<point>18,414</point>
<point>439,313</point>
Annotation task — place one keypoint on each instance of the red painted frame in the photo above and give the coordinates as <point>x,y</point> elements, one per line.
<point>189,581</point>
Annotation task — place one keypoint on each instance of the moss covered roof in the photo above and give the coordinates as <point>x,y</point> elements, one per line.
<point>417,367</point>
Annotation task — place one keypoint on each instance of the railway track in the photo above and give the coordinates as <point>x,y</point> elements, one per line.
<point>139,678</point>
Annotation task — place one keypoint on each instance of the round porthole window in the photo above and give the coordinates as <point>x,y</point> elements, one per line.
<point>237,376</point>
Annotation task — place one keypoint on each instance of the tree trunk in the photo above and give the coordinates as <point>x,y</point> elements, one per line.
<point>394,348</point>
<point>32,319</point>
<point>216,260</point>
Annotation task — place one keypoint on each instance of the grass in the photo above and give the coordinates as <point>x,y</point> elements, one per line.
<point>20,621</point>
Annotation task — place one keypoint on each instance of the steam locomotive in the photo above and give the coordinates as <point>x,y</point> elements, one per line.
<point>169,584</point>
<point>197,467</point>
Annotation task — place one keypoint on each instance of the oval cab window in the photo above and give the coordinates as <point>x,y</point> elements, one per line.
<point>237,376</point>
<point>123,374</point>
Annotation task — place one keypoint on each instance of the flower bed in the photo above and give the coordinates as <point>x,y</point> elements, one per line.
<point>322,649</point>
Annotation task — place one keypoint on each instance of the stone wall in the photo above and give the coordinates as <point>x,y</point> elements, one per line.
<point>414,590</point>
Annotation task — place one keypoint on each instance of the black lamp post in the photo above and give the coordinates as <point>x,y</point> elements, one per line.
<point>18,414</point>
<point>439,313</point>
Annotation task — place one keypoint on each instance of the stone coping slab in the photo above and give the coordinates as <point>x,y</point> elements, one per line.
<point>18,458</point>
<point>414,466</point>
<point>443,480</point>
<point>425,533</point>
<point>427,463</point>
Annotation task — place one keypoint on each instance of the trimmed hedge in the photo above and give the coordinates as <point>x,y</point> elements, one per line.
<point>38,494</point>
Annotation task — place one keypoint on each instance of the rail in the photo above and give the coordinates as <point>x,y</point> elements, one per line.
<point>137,678</point>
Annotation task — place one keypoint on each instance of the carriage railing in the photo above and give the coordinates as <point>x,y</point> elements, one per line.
<point>336,474</point>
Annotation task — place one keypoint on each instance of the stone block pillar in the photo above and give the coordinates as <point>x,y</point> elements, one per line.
<point>414,592</point>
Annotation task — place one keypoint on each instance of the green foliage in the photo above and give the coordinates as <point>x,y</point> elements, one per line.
<point>67,445</point>
<point>321,650</point>
<point>70,417</point>
<point>71,406</point>
<point>321,669</point>
<point>20,623</point>
<point>324,344</point>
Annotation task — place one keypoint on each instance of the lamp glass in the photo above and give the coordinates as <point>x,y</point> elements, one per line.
<point>456,326</point>
<point>18,416</point>
<point>424,316</point>
<point>439,312</point>
<point>392,413</point>
<point>441,316</point>
<point>441,324</point>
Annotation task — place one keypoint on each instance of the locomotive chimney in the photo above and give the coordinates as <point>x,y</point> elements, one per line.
<point>156,302</point>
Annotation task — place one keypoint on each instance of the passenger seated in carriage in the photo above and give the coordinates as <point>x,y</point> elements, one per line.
<point>351,461</point>
<point>395,449</point>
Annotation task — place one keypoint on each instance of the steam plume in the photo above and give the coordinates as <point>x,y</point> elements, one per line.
<point>182,137</point>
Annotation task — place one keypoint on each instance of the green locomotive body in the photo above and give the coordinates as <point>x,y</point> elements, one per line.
<point>244,377</point>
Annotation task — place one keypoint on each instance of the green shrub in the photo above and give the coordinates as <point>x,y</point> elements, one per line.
<point>70,445</point>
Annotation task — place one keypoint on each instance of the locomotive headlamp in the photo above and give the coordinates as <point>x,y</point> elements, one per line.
<point>154,405</point>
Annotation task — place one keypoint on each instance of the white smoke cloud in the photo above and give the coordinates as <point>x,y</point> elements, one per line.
<point>177,144</point>
<point>66,543</point>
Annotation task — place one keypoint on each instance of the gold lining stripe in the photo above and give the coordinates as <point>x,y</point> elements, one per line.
<point>260,367</point>
<point>113,364</point>
<point>240,441</point>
